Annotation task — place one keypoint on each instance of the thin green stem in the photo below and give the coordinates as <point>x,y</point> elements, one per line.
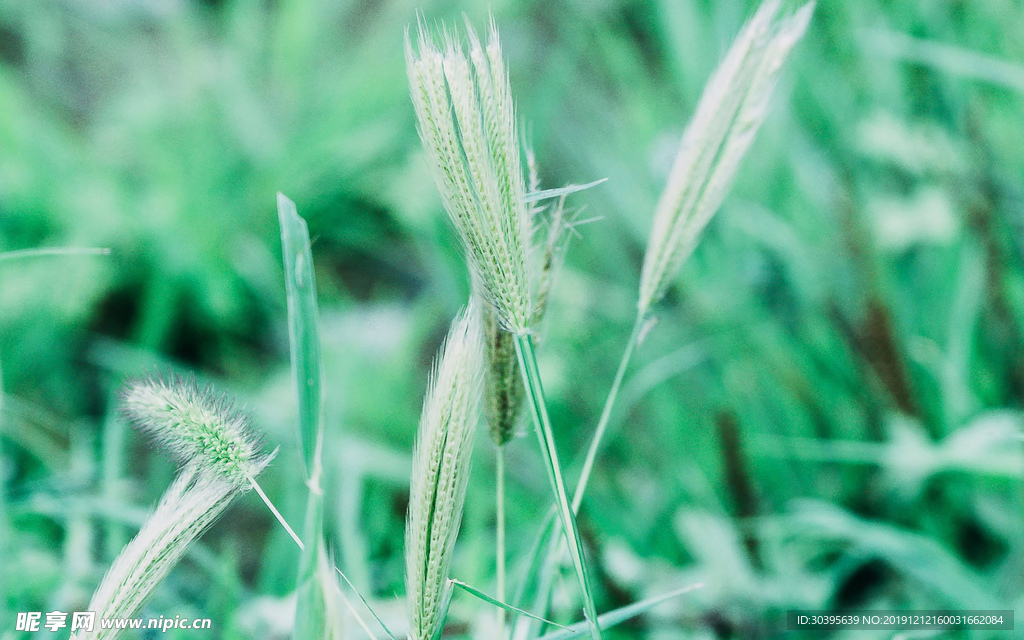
<point>606,413</point>
<point>277,514</point>
<point>298,542</point>
<point>352,609</point>
<point>555,547</point>
<point>313,525</point>
<point>500,561</point>
<point>535,396</point>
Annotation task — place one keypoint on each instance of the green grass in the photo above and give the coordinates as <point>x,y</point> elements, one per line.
<point>804,426</point>
<point>312,598</point>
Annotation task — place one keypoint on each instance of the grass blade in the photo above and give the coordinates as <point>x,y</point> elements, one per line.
<point>470,589</point>
<point>114,431</point>
<point>303,328</point>
<point>617,616</point>
<point>535,398</point>
<point>365,604</point>
<point>954,60</point>
<point>538,576</point>
<point>304,340</point>
<point>22,254</point>
<point>547,194</point>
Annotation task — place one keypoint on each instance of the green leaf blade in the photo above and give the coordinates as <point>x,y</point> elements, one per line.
<point>304,341</point>
<point>617,616</point>
<point>303,327</point>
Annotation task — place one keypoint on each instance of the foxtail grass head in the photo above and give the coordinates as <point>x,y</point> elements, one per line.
<point>219,459</point>
<point>440,473</point>
<point>467,122</point>
<point>730,111</point>
<point>198,427</point>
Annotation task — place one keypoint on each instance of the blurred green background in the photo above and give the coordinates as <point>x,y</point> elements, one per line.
<point>827,415</point>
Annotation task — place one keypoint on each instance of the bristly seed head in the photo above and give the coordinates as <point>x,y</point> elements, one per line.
<point>731,109</point>
<point>466,120</point>
<point>197,426</point>
<point>503,385</point>
<point>440,473</point>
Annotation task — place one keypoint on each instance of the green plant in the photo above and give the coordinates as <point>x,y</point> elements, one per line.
<point>220,460</point>
<point>440,474</point>
<point>467,122</point>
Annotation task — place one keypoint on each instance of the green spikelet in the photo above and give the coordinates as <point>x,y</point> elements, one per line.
<point>440,474</point>
<point>503,384</point>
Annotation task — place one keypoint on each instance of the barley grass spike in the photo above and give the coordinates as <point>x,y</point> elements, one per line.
<point>731,109</point>
<point>466,120</point>
<point>194,501</point>
<point>440,473</point>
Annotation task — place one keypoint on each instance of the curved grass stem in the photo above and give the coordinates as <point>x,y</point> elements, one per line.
<point>555,546</point>
<point>542,423</point>
<point>606,413</point>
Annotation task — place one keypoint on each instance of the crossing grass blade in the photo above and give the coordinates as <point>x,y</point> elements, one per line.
<point>535,398</point>
<point>617,616</point>
<point>304,340</point>
<point>473,591</point>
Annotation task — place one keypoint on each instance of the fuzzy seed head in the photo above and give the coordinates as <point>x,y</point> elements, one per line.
<point>441,466</point>
<point>731,109</point>
<point>503,384</point>
<point>196,426</point>
<point>190,505</point>
<point>467,122</point>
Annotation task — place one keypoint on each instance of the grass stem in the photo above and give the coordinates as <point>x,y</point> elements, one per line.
<point>606,413</point>
<point>535,397</point>
<point>500,542</point>
<point>555,546</point>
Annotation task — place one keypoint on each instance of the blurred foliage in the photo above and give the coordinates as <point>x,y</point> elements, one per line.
<point>826,416</point>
